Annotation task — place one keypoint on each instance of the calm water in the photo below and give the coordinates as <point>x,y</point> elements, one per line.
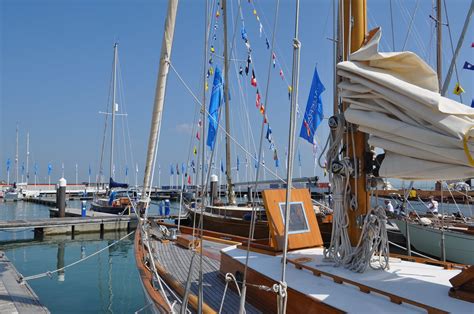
<point>107,282</point>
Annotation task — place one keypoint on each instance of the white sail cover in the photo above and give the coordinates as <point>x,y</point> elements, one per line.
<point>394,98</point>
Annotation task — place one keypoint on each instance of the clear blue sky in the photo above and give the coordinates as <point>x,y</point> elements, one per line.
<point>55,67</point>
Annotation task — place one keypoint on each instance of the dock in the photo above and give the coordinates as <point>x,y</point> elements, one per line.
<point>16,297</point>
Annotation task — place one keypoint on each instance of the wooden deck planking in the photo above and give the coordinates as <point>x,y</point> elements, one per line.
<point>16,298</point>
<point>176,260</point>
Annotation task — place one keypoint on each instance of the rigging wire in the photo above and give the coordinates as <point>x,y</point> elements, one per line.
<point>452,46</point>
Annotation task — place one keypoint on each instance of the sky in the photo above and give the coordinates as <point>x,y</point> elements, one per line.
<point>56,64</point>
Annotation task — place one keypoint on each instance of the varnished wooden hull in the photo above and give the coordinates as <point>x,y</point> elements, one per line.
<point>153,297</point>
<point>238,227</point>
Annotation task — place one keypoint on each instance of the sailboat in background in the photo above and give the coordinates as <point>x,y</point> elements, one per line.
<point>13,193</point>
<point>117,200</point>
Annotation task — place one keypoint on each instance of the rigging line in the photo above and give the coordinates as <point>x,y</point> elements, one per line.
<point>393,29</point>
<point>220,126</point>
<point>276,47</point>
<point>406,14</point>
<point>243,97</point>
<point>49,273</point>
<point>411,24</point>
<point>104,137</point>
<point>452,46</point>
<point>254,205</point>
<point>126,125</point>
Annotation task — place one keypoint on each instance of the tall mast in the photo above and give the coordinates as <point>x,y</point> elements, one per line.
<point>203,107</point>
<point>165,56</point>
<point>16,155</point>
<point>27,155</point>
<point>230,189</point>
<point>114,109</point>
<point>354,29</point>
<point>439,25</point>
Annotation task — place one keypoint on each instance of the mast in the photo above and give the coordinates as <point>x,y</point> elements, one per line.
<point>291,138</point>
<point>114,109</point>
<point>354,29</point>
<point>203,107</point>
<point>165,55</point>
<point>230,189</point>
<point>27,155</point>
<point>16,155</point>
<point>439,65</point>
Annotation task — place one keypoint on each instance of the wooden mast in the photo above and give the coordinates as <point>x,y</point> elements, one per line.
<point>355,27</point>
<point>230,189</point>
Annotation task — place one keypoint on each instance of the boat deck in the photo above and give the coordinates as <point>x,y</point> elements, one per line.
<point>421,283</point>
<point>177,260</point>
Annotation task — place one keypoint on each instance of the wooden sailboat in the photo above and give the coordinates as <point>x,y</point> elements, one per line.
<point>290,272</point>
<point>117,200</point>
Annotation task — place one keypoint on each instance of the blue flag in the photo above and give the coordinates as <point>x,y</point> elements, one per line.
<point>238,163</point>
<point>171,169</point>
<point>177,169</point>
<point>126,171</point>
<point>472,103</point>
<point>36,168</point>
<point>222,166</point>
<point>9,162</point>
<point>313,115</point>
<point>468,66</point>
<point>183,168</point>
<point>277,163</point>
<point>90,170</point>
<point>50,168</point>
<point>214,105</point>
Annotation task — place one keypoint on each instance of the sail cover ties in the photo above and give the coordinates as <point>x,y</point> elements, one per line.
<point>394,98</point>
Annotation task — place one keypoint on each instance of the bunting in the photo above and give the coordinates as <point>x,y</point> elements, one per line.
<point>468,66</point>
<point>458,90</point>
<point>257,99</point>
<point>253,80</point>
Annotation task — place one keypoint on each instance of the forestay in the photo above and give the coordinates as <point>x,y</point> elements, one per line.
<point>394,98</point>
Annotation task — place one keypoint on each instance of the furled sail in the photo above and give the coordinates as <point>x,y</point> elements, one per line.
<point>394,98</point>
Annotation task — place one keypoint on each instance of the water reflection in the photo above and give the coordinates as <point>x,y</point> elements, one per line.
<point>106,282</point>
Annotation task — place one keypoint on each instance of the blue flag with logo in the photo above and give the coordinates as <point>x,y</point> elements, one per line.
<point>50,168</point>
<point>313,115</point>
<point>214,105</point>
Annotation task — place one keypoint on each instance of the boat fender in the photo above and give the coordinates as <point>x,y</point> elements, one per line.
<point>425,221</point>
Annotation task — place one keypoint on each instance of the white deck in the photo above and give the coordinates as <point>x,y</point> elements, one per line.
<point>419,282</point>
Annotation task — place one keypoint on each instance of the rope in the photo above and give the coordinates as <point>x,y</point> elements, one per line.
<point>49,273</point>
<point>465,141</point>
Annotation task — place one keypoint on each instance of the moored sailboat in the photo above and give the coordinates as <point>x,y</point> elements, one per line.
<point>292,272</point>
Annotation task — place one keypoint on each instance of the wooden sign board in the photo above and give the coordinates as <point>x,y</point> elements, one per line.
<point>303,227</point>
